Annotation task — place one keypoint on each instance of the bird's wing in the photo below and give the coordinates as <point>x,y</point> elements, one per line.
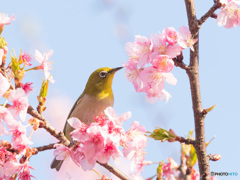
<point>70,113</point>
<point>67,128</point>
<point>74,106</point>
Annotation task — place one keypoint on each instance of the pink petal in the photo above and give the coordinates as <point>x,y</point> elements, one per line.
<point>2,129</point>
<point>109,111</point>
<point>170,79</point>
<point>1,56</point>
<point>4,84</point>
<point>75,123</point>
<point>173,51</point>
<point>163,63</point>
<point>38,56</point>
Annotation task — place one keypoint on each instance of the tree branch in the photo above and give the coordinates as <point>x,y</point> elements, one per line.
<point>178,62</point>
<point>44,148</point>
<point>59,135</point>
<point>183,140</point>
<point>210,12</point>
<point>193,74</point>
<point>115,171</point>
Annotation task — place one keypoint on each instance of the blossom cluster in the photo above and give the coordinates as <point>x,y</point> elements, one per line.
<point>150,61</point>
<point>171,171</point>
<point>14,111</point>
<point>10,153</point>
<point>229,16</point>
<point>101,140</point>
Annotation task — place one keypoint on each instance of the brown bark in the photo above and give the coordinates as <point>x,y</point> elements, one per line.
<point>193,74</point>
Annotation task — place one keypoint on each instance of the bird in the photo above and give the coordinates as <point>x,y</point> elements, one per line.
<point>96,97</point>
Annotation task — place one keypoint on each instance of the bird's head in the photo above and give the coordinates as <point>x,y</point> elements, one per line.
<point>100,82</point>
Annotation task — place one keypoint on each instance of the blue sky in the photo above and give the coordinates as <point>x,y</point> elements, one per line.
<point>86,35</point>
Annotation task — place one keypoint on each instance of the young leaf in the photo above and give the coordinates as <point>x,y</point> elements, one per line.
<point>161,134</point>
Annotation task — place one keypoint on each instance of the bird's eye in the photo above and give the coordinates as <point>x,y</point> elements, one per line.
<point>103,74</point>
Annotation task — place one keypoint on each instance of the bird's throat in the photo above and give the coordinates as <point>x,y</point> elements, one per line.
<point>105,95</point>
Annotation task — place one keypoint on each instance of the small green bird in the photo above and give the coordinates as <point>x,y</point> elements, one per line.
<point>96,97</point>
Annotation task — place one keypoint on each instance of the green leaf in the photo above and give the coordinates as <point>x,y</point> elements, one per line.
<point>190,134</point>
<point>14,64</point>
<point>207,143</point>
<point>161,134</point>
<point>193,156</point>
<point>44,89</point>
<point>3,42</point>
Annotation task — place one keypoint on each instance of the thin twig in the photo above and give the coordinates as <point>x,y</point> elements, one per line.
<point>59,135</point>
<point>178,61</point>
<point>180,64</point>
<point>44,148</point>
<point>115,171</point>
<point>210,12</point>
<point>183,140</point>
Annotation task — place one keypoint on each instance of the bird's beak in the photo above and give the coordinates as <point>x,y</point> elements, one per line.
<point>114,70</point>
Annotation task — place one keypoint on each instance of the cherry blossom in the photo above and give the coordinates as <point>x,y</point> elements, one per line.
<point>171,35</point>
<point>229,15</point>
<point>110,113</point>
<point>135,130</point>
<point>168,172</point>
<point>61,152</point>
<point>110,150</point>
<point>1,56</point>
<point>20,103</point>
<point>7,117</point>
<point>139,50</point>
<point>4,84</point>
<point>163,63</point>
<point>8,162</point>
<point>2,129</point>
<point>185,38</point>
<point>19,137</point>
<point>5,20</point>
<point>161,47</point>
<point>79,133</point>
<point>44,64</point>
<point>24,173</point>
<point>80,159</point>
<point>147,74</point>
<point>134,148</point>
<point>94,145</point>
<point>132,75</point>
<point>9,168</point>
<point>100,140</point>
<point>195,174</point>
<point>159,44</point>
<point>26,58</point>
<point>226,2</point>
<point>27,87</point>
<point>154,84</point>
<point>173,51</point>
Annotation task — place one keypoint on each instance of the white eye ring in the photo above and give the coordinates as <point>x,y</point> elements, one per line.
<point>102,74</point>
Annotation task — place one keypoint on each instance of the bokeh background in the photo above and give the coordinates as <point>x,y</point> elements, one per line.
<point>86,35</point>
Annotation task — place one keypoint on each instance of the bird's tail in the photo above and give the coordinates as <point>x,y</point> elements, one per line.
<point>56,164</point>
